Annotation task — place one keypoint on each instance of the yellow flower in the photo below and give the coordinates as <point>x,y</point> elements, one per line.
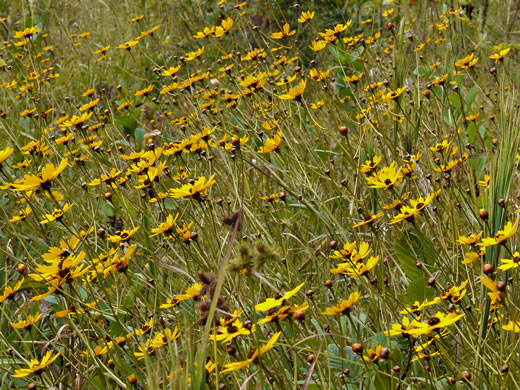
<point>28,32</point>
<point>224,27</point>
<point>467,62</point>
<point>27,323</point>
<point>129,44</point>
<point>4,154</point>
<point>198,189</point>
<point>227,333</point>
<point>401,328</point>
<point>509,230</point>
<point>145,92</point>
<point>343,307</point>
<point>271,303</point>
<point>512,326</point>
<point>510,263</point>
<point>77,121</point>
<point>10,291</point>
<point>386,178</point>
<point>124,235</point>
<point>417,306</point>
<point>192,292</point>
<point>239,365</point>
<point>469,240</point>
<point>56,215</point>
<point>272,144</point>
<point>22,214</point>
<point>35,366</point>
<point>500,56</point>
<point>355,270</point>
<point>306,16</point>
<point>295,93</point>
<point>204,33</point>
<point>43,180</point>
<point>438,321</point>
<point>373,355</point>
<point>370,165</point>
<point>369,219</point>
<point>286,32</point>
<point>171,71</point>
<point>190,56</point>
<point>165,227</point>
<point>455,293</point>
<point>89,105</point>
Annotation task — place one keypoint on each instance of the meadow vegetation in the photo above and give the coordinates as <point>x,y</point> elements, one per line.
<point>259,194</point>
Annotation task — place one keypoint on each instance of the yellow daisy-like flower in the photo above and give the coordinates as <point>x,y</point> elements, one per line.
<point>386,178</point>
<point>510,263</point>
<point>470,240</point>
<point>198,189</point>
<point>370,165</point>
<point>165,227</point>
<point>512,326</point>
<point>272,144</point>
<point>4,154</point>
<point>42,180</point>
<point>343,307</point>
<point>271,303</point>
<point>263,349</point>
<point>438,321</point>
<point>124,235</point>
<point>306,16</point>
<point>56,215</point>
<point>500,55</point>
<point>28,322</point>
<point>286,32</point>
<point>190,56</point>
<point>22,214</point>
<point>145,92</point>
<point>509,230</point>
<point>295,93</point>
<point>28,32</point>
<point>467,62</point>
<point>128,45</point>
<point>35,366</point>
<point>10,291</point>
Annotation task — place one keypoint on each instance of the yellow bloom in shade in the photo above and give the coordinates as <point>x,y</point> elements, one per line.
<point>35,366</point>
<point>510,263</point>
<point>21,215</point>
<point>500,56</point>
<point>27,323</point>
<point>204,33</point>
<point>354,78</point>
<point>437,322</point>
<point>349,252</point>
<point>129,44</point>
<point>198,189</point>
<point>512,326</point>
<point>369,219</point>
<point>470,257</point>
<point>357,269</point>
<point>509,230</point>
<point>467,62</point>
<point>417,306</point>
<point>263,349</point>
<point>190,56</point>
<point>28,32</point>
<point>401,328</point>
<point>192,292</point>
<point>286,32</point>
<point>470,240</point>
<point>373,355</point>
<point>295,93</point>
<point>272,144</point>
<point>10,291</point>
<point>165,227</point>
<point>145,92</point>
<point>370,165</point>
<point>56,215</point>
<point>306,16</point>
<point>455,293</point>
<point>124,235</point>
<point>495,295</point>
<point>343,307</point>
<point>386,178</point>
<point>224,28</point>
<point>277,300</point>
<point>43,180</point>
<point>4,154</point>
<point>227,333</point>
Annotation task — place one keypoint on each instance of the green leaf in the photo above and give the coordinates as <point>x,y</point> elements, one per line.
<point>139,134</point>
<point>472,132</point>
<point>410,249</point>
<point>470,96</point>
